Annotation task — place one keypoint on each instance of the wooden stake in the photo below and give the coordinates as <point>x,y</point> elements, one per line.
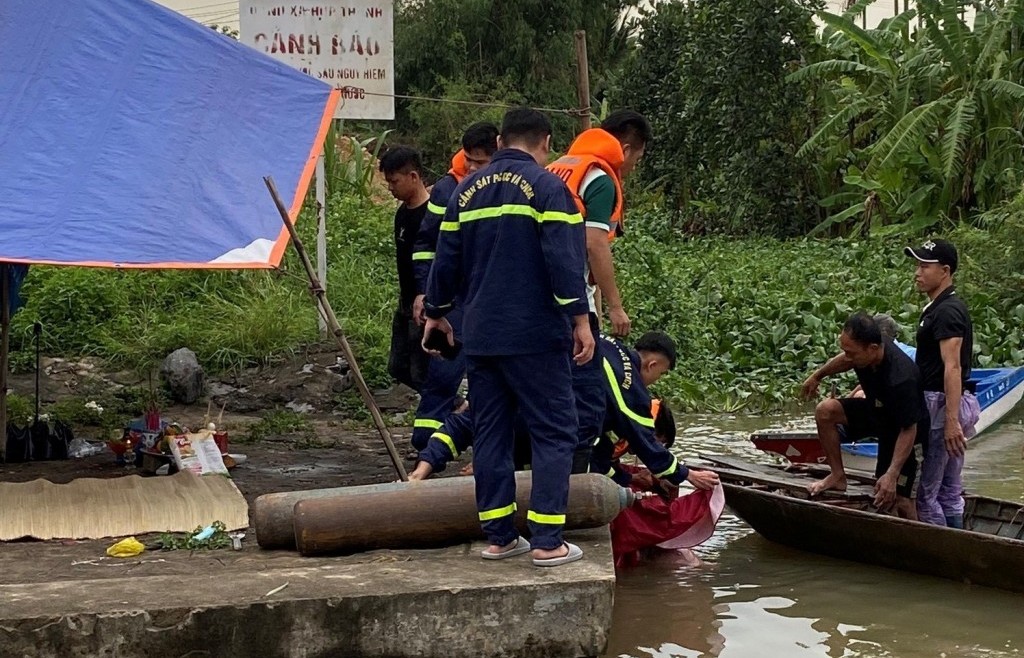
<point>5,344</point>
<point>583,78</point>
<point>335,329</point>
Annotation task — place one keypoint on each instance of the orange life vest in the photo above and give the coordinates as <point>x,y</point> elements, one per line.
<point>593,148</point>
<point>459,168</point>
<point>622,445</point>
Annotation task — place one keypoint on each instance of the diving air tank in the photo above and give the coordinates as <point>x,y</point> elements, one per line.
<point>432,513</point>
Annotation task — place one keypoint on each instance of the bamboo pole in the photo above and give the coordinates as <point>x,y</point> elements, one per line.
<point>5,345</point>
<point>335,329</point>
<point>583,78</point>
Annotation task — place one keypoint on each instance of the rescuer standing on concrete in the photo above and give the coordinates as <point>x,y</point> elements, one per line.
<point>439,393</point>
<point>511,250</point>
<point>593,170</point>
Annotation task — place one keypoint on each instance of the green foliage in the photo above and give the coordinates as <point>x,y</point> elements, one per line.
<point>493,51</point>
<point>219,539</point>
<point>727,123</point>
<point>439,126</point>
<point>229,319</point>
<point>278,422</point>
<point>349,164</point>
<point>917,125</point>
<point>135,318</point>
<point>753,317</point>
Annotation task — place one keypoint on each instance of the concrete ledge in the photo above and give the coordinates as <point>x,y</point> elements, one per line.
<point>74,601</point>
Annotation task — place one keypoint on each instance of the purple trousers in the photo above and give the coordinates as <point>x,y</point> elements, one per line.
<point>940,493</point>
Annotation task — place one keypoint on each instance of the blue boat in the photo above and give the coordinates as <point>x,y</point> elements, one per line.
<point>998,391</point>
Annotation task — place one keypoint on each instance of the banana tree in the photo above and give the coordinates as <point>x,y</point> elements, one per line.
<point>921,117</point>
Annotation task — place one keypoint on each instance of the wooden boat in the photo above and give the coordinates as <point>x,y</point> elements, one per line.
<point>998,391</point>
<point>774,501</point>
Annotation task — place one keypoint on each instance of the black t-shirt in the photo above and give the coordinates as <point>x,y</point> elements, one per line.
<point>945,317</point>
<point>894,389</point>
<point>407,225</point>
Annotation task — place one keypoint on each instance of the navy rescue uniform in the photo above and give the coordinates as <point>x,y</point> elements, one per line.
<point>440,388</point>
<point>627,416</point>
<point>511,249</point>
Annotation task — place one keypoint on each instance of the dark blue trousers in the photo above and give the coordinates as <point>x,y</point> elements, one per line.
<point>539,388</point>
<point>439,391</point>
<point>446,444</point>
<point>589,391</point>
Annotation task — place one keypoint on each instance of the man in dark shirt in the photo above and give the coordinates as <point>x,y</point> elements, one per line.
<point>892,410</point>
<point>945,339</point>
<point>402,169</point>
<point>511,252</point>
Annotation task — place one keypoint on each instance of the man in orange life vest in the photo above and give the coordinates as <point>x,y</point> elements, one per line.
<point>593,170</point>
<point>439,392</point>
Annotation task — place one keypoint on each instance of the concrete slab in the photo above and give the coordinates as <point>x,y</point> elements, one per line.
<point>70,600</point>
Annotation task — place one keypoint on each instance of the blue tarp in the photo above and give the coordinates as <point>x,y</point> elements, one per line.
<point>131,136</point>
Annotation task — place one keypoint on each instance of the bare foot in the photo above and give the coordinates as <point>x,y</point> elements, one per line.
<point>546,553</point>
<point>467,469</point>
<point>498,550</point>
<point>836,481</point>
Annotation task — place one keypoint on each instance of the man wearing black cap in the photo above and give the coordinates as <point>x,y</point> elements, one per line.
<point>945,339</point>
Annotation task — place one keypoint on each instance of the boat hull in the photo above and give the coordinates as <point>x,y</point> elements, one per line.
<point>870,538</point>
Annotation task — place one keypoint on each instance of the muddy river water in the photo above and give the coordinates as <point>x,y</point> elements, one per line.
<point>752,598</point>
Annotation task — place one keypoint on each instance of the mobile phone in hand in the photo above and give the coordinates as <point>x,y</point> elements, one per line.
<point>437,340</point>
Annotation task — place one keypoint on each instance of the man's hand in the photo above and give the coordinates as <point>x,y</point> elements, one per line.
<point>418,314</point>
<point>703,480</point>
<point>643,479</point>
<point>885,491</point>
<point>955,441</point>
<point>809,389</point>
<point>582,340</point>
<point>422,471</point>
<point>442,325</point>
<point>620,321</point>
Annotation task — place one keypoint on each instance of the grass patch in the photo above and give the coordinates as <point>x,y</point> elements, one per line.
<point>752,317</point>
<point>279,422</point>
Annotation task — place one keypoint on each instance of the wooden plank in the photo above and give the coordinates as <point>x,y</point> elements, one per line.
<point>815,470</point>
<point>737,464</point>
<point>821,470</point>
<point>793,485</point>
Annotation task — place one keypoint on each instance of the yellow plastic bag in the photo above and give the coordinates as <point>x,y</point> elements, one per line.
<point>129,547</point>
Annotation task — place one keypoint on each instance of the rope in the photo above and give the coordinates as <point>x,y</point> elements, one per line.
<point>578,112</point>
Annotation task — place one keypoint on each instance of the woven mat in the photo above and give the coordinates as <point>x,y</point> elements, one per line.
<point>91,508</point>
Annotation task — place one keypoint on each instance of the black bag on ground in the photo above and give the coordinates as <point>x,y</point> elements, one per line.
<point>19,444</point>
<point>61,437</point>
<point>40,433</point>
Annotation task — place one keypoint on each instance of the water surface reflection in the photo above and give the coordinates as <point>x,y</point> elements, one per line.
<point>754,598</point>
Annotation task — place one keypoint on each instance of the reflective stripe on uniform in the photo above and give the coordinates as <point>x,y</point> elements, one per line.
<point>522,210</point>
<point>423,255</point>
<point>623,407</point>
<point>434,208</point>
<point>447,440</point>
<point>427,423</point>
<point>491,514</point>
<point>546,519</point>
<point>670,470</point>
<point>449,226</point>
<point>563,302</point>
<point>611,472</point>
<point>556,216</point>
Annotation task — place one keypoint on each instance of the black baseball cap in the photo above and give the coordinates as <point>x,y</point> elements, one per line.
<point>935,251</point>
